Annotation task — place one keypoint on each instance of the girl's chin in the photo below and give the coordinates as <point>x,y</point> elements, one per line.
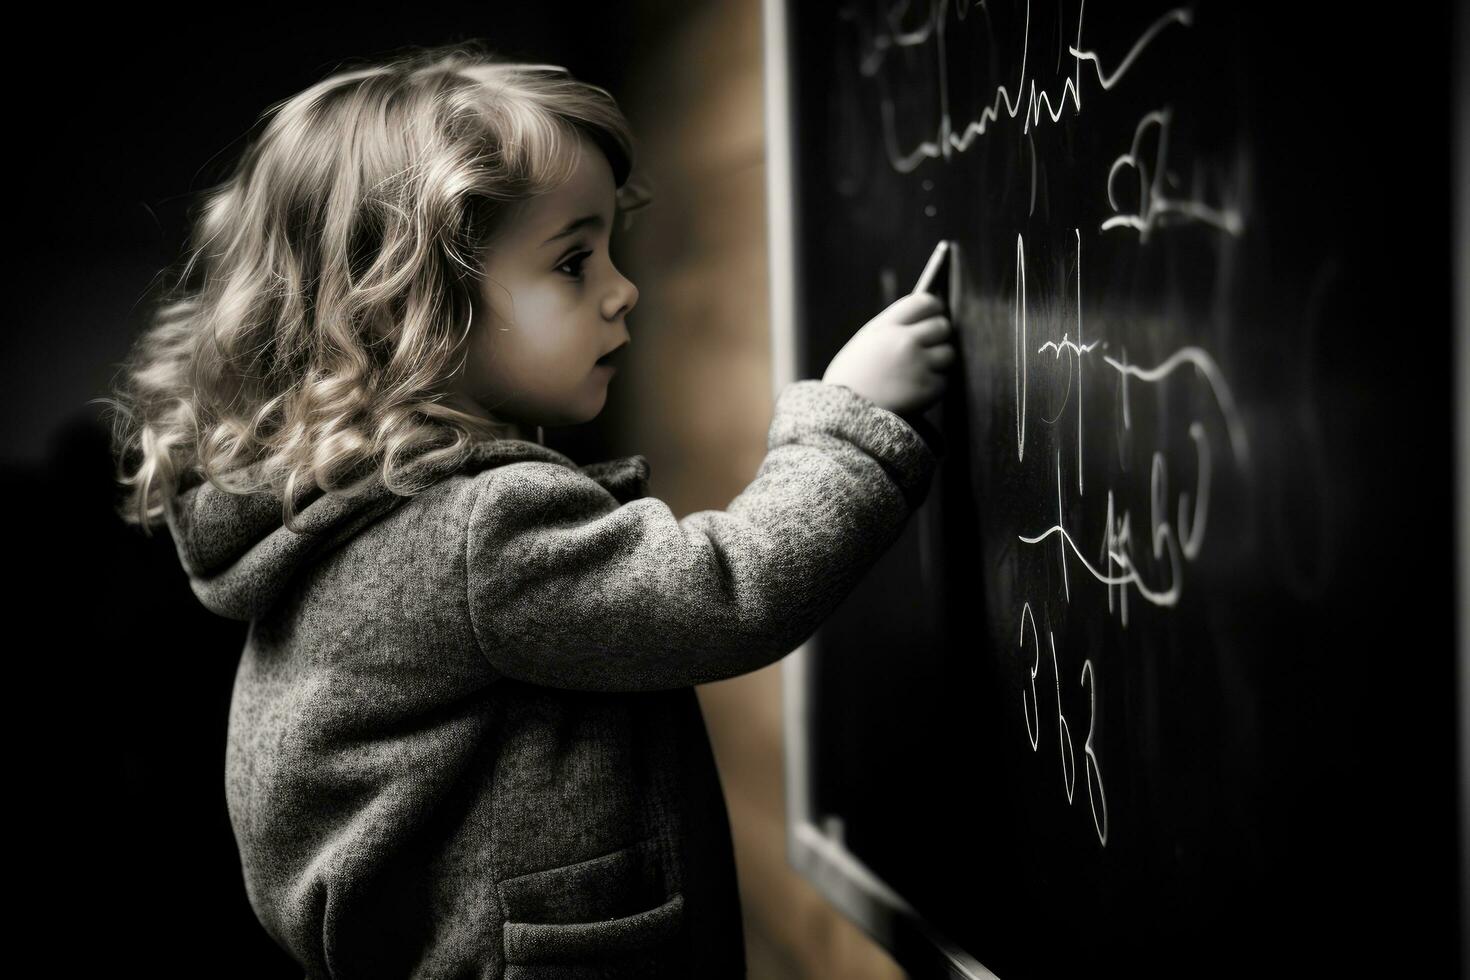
<point>588,410</point>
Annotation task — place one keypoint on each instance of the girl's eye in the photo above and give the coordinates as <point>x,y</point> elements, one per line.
<point>573,264</point>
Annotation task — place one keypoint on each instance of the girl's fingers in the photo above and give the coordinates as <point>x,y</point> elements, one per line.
<point>930,331</point>
<point>940,356</point>
<point>914,306</point>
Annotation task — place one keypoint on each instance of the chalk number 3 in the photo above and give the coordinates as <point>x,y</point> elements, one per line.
<point>1030,710</point>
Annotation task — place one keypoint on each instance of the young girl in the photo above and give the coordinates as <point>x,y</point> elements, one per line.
<point>464,740</point>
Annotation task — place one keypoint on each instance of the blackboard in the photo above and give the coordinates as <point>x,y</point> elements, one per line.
<point>1160,680</point>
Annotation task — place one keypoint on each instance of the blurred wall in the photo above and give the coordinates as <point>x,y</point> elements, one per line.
<point>698,403</point>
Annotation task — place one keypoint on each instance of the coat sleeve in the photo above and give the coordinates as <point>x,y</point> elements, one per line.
<point>569,589</point>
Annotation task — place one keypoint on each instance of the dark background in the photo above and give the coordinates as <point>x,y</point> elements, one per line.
<point>125,679</point>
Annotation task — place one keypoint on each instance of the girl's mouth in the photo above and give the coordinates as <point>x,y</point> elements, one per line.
<point>611,358</point>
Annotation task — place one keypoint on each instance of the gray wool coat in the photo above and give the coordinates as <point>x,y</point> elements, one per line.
<point>464,739</point>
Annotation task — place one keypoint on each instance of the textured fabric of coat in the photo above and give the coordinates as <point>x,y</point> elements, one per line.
<point>464,740</point>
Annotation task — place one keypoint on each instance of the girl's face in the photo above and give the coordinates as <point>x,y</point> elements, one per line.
<point>550,305</point>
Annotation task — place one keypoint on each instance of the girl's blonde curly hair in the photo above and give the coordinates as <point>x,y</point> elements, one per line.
<point>305,341</point>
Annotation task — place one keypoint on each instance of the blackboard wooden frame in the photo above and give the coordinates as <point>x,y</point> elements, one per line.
<point>817,852</point>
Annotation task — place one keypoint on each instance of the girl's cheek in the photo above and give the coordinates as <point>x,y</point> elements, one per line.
<point>545,304</point>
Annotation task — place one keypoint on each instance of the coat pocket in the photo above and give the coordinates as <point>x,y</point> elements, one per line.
<point>605,907</point>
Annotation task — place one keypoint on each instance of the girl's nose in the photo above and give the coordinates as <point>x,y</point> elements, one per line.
<point>620,299</point>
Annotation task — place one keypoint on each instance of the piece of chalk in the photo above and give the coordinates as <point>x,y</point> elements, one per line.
<point>931,268</point>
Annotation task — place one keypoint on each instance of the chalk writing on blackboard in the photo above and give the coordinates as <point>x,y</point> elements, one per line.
<point>1176,525</point>
<point>1098,800</point>
<point>1094,771</point>
<point>1145,194</point>
<point>1207,369</point>
<point>1155,205</point>
<point>1120,568</point>
<point>1028,620</point>
<point>1075,348</point>
<point>1021,345</point>
<point>1032,103</point>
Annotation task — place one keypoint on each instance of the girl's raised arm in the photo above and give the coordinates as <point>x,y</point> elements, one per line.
<point>568,589</point>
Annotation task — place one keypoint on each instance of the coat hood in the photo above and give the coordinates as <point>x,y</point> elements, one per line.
<point>240,557</point>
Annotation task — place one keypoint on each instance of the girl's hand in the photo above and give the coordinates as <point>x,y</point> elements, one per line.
<point>899,359</point>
